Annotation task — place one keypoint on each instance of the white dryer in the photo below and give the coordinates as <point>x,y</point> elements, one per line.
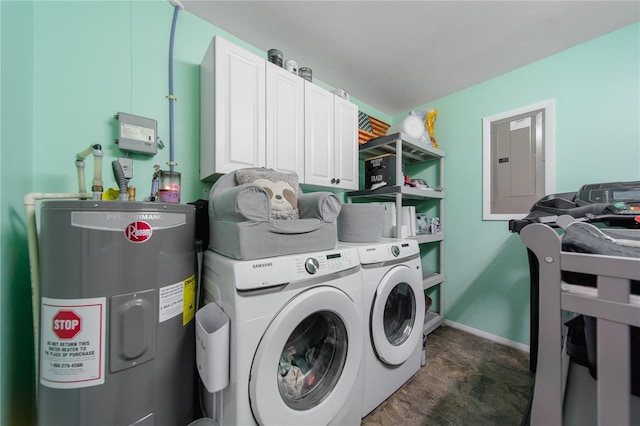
<point>296,343</point>
<point>393,316</point>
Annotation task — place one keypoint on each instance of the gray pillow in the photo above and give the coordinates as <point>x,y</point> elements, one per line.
<point>281,188</point>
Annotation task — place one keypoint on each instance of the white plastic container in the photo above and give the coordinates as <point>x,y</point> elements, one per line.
<point>212,347</point>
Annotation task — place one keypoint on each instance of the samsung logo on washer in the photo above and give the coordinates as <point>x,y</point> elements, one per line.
<point>262,265</point>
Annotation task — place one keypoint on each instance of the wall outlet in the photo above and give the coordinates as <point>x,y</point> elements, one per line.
<point>127,167</point>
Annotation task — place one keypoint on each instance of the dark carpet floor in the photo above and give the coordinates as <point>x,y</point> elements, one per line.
<point>468,380</point>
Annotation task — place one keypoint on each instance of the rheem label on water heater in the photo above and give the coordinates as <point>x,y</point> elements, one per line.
<point>72,342</point>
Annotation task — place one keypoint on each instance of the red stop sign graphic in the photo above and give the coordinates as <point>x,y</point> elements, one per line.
<point>66,324</point>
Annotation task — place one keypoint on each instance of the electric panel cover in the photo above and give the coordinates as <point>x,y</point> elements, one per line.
<point>137,134</point>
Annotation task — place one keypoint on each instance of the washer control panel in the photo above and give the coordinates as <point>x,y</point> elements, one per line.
<point>274,271</point>
<point>311,265</point>
<point>325,263</point>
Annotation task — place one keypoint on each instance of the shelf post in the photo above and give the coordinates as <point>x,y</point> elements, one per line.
<point>400,183</point>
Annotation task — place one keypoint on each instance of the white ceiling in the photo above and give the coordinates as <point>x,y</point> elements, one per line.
<point>398,55</point>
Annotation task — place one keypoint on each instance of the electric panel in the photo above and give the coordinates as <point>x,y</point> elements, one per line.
<point>137,134</point>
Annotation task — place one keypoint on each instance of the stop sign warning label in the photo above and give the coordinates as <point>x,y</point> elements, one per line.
<point>66,324</point>
<point>72,346</point>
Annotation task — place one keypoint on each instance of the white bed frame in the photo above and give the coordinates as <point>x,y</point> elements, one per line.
<point>615,309</point>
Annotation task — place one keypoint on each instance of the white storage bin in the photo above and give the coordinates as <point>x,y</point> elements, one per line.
<point>212,347</point>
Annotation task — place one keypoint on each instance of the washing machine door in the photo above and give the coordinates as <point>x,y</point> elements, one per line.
<point>397,315</point>
<point>308,361</point>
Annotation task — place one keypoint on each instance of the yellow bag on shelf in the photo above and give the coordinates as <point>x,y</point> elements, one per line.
<point>430,122</point>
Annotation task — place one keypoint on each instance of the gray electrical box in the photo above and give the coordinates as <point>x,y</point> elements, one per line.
<point>137,134</point>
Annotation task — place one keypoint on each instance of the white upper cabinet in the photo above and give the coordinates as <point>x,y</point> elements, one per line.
<point>285,121</point>
<point>319,136</point>
<point>346,143</point>
<point>256,114</point>
<point>232,109</point>
<point>330,139</point>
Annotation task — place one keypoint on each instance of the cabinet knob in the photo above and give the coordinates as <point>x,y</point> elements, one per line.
<point>333,180</point>
<point>338,180</point>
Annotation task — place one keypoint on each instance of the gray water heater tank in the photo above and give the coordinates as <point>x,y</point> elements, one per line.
<point>118,290</point>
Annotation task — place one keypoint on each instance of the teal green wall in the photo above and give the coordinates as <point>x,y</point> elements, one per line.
<point>16,179</point>
<point>596,89</point>
<point>93,59</point>
<point>67,67</point>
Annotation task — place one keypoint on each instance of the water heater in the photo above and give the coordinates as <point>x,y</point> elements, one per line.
<point>118,291</point>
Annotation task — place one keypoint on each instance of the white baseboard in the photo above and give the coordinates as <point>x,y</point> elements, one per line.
<point>488,336</point>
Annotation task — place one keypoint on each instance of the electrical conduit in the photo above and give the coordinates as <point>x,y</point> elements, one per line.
<point>171,98</point>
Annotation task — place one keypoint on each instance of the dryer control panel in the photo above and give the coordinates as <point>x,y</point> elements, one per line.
<point>396,250</point>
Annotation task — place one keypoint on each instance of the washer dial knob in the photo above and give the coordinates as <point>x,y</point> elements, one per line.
<point>395,251</point>
<point>311,265</point>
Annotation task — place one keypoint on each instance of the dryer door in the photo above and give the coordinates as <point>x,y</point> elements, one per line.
<point>307,362</point>
<point>397,315</point>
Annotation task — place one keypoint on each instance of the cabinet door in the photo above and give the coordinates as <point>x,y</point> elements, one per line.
<point>233,120</point>
<point>346,144</point>
<point>319,135</point>
<point>285,121</point>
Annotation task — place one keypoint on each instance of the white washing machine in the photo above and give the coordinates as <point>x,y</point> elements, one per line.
<point>393,316</point>
<point>296,344</point>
